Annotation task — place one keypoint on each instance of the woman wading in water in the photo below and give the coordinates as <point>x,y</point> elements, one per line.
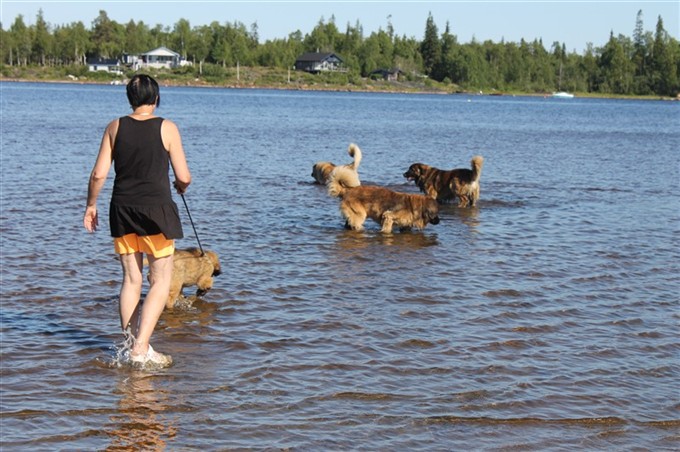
<point>142,216</point>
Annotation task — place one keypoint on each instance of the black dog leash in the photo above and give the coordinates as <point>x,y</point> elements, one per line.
<point>192,225</point>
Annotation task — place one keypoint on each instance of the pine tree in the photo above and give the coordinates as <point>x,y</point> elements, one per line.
<point>664,70</point>
<point>42,40</point>
<point>430,48</point>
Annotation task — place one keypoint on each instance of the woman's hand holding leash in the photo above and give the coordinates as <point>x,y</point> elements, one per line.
<point>180,187</point>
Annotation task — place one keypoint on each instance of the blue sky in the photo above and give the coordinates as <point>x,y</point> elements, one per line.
<point>573,23</point>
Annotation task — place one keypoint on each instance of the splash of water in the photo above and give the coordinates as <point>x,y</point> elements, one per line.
<point>123,349</point>
<point>122,355</point>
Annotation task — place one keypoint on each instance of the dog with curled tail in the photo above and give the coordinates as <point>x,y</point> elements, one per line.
<point>446,185</point>
<point>321,171</point>
<point>386,207</point>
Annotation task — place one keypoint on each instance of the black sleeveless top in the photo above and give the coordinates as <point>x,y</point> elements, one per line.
<point>141,202</point>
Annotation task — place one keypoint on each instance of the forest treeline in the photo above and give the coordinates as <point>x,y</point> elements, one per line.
<point>644,64</point>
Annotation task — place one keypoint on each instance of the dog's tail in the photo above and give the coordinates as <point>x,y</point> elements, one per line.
<point>354,152</point>
<point>477,162</point>
<point>340,180</point>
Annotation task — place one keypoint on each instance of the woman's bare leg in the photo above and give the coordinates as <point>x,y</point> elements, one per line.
<point>130,291</point>
<point>160,276</point>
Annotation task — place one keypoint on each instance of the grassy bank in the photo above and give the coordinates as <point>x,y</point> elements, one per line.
<point>243,77</point>
<point>265,78</point>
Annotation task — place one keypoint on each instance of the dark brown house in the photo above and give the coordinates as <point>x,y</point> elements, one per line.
<point>320,62</point>
<point>391,75</point>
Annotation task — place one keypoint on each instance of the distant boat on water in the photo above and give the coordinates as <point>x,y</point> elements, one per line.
<point>563,95</point>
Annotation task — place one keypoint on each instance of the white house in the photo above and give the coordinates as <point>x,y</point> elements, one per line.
<point>106,65</point>
<point>161,57</point>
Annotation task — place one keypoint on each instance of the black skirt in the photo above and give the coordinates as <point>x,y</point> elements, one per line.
<point>145,220</point>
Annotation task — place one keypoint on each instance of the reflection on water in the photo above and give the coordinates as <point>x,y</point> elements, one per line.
<point>141,421</point>
<point>469,217</point>
<point>359,240</point>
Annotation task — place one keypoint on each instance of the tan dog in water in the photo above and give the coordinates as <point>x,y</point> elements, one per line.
<point>446,185</point>
<point>321,171</point>
<point>189,268</point>
<point>384,206</point>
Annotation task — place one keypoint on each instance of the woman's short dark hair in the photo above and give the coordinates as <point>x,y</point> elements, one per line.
<point>143,90</point>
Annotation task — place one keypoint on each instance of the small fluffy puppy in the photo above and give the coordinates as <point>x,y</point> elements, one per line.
<point>321,171</point>
<point>386,207</point>
<point>446,185</point>
<point>192,269</point>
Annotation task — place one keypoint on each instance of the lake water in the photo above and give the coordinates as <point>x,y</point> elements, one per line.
<point>544,319</point>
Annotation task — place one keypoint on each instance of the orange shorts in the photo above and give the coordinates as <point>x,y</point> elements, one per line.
<point>156,245</point>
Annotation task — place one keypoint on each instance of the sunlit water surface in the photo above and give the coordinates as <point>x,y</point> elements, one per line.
<point>545,318</point>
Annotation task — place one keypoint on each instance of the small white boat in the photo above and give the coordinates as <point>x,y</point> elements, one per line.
<point>563,95</point>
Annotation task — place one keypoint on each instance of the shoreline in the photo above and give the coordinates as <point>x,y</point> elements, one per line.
<point>391,89</point>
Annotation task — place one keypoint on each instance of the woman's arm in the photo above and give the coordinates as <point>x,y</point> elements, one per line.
<point>99,175</point>
<point>173,143</point>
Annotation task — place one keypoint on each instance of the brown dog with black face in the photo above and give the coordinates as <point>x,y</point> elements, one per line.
<point>386,207</point>
<point>190,268</point>
<point>446,185</point>
<point>321,171</point>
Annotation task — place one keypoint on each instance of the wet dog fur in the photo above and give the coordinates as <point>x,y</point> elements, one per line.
<point>446,185</point>
<point>384,206</point>
<point>321,171</point>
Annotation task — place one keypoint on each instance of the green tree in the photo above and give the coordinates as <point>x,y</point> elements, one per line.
<point>430,48</point>
<point>221,51</point>
<point>639,46</point>
<point>642,45</point>
<point>7,46</point>
<point>444,67</point>
<point>138,38</point>
<point>351,41</point>
<point>181,36</point>
<point>160,36</point>
<point>616,67</point>
<point>369,56</point>
<point>386,48</point>
<point>407,55</point>
<point>494,55</point>
<point>42,40</point>
<point>280,53</point>
<point>72,43</point>
<point>543,76</point>
<point>573,76</point>
<point>664,75</point>
<point>376,52</point>
<point>242,45</point>
<point>107,37</point>
<point>199,45</point>
<point>21,39</point>
<point>589,67</point>
<point>323,37</point>
<point>512,70</point>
